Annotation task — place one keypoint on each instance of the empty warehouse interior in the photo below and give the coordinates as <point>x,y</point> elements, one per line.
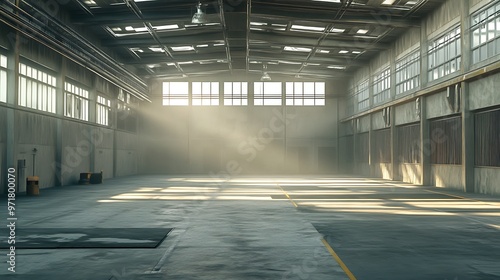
<point>258,139</point>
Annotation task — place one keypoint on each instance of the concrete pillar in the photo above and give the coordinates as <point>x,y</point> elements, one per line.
<point>113,125</point>
<point>425,144</point>
<point>59,165</point>
<point>468,150</point>
<point>12,89</point>
<point>465,35</point>
<point>392,59</point>
<point>424,57</point>
<point>93,119</point>
<point>394,147</point>
<point>355,130</point>
<point>370,146</point>
<point>284,112</point>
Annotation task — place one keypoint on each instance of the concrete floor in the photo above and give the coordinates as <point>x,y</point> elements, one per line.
<point>267,228</point>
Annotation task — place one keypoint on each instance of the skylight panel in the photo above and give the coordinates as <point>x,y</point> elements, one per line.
<point>156,49</point>
<point>388,2</point>
<point>337,30</point>
<point>329,1</point>
<point>182,48</point>
<point>338,67</point>
<point>166,27</point>
<point>343,51</point>
<point>323,51</point>
<point>362,31</point>
<point>307,28</point>
<point>258,23</point>
<point>289,62</point>
<point>90,2</point>
<point>297,49</point>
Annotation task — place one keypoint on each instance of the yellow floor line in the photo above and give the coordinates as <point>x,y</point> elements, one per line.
<point>338,260</point>
<point>289,198</point>
<point>466,198</point>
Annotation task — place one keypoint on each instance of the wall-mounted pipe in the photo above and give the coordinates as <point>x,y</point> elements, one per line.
<point>71,45</point>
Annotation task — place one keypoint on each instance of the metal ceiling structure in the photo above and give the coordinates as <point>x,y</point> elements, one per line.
<point>299,38</point>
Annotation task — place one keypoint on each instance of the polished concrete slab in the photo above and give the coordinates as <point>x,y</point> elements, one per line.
<point>267,228</point>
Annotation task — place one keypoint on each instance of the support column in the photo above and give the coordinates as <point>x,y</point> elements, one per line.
<point>425,144</point>
<point>465,35</point>
<point>370,146</point>
<point>425,140</point>
<point>93,119</point>
<point>355,140</point>
<point>113,126</point>
<point>424,56</point>
<point>394,147</point>
<point>10,120</point>
<point>60,166</point>
<point>468,150</point>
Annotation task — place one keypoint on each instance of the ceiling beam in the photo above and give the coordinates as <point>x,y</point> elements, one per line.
<point>132,41</point>
<point>282,40</point>
<point>327,18</point>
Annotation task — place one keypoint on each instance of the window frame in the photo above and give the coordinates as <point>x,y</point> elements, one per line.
<point>408,72</point>
<point>3,78</point>
<point>296,94</point>
<point>382,85</point>
<point>208,94</point>
<point>240,98</point>
<point>263,98</point>
<point>35,81</point>
<point>179,99</point>
<point>484,42</point>
<point>103,110</point>
<point>79,96</point>
<point>440,59</point>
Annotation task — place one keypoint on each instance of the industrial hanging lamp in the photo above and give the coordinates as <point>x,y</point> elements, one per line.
<point>265,77</point>
<point>199,17</point>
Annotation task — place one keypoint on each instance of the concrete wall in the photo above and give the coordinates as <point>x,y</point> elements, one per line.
<point>364,124</point>
<point>477,95</point>
<point>442,18</point>
<point>363,169</point>
<point>126,153</point>
<point>406,113</point>
<point>382,170</point>
<point>437,105</point>
<point>410,173</point>
<point>250,139</point>
<point>76,150</point>
<point>84,147</point>
<point>378,121</point>
<point>483,93</point>
<point>34,131</point>
<point>486,180</point>
<point>103,145</point>
<point>447,176</point>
